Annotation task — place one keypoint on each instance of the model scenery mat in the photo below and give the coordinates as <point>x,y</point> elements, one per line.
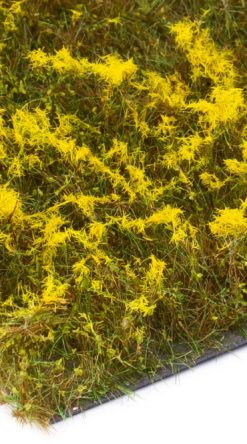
<point>123,203</point>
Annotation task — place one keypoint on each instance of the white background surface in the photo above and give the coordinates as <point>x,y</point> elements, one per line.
<point>206,404</point>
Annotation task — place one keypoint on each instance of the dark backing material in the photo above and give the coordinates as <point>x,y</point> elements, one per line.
<point>232,340</point>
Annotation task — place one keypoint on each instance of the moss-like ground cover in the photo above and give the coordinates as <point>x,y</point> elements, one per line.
<point>123,164</point>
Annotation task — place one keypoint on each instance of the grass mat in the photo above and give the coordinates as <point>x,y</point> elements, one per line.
<point>123,164</point>
<point>186,358</point>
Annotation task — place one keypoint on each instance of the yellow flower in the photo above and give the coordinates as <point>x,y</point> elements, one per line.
<point>142,305</point>
<point>62,62</point>
<point>75,16</point>
<point>16,169</point>
<point>10,204</point>
<point>38,58</point>
<point>236,167</point>
<point>171,89</point>
<point>118,149</point>
<point>166,215</point>
<point>212,181</point>
<point>225,105</point>
<point>205,58</point>
<point>54,291</point>
<point>114,70</point>
<point>154,275</point>
<point>115,20</point>
<point>229,221</point>
<point>190,146</point>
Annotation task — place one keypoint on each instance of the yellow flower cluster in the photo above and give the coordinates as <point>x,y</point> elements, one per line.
<point>205,59</point>
<point>112,69</point>
<point>229,222</point>
<point>10,205</point>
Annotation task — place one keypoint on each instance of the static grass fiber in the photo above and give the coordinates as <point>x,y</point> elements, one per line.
<point>123,198</point>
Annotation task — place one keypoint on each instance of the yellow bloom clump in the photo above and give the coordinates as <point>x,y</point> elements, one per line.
<point>10,205</point>
<point>229,221</point>
<point>113,70</point>
<point>204,57</point>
